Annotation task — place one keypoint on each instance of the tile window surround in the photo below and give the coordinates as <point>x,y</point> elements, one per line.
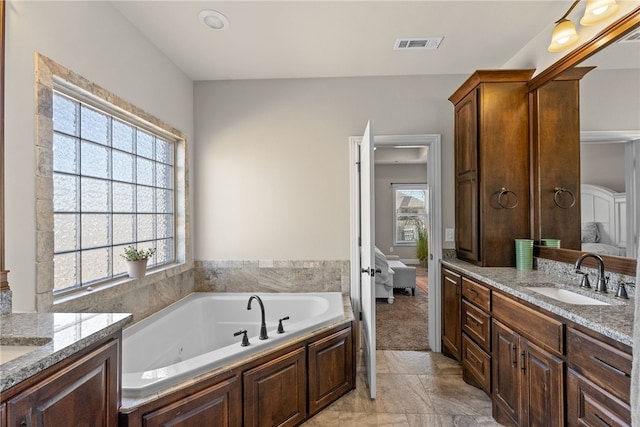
<point>141,297</point>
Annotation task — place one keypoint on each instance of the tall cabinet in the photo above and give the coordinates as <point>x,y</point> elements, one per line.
<point>555,139</point>
<point>491,166</point>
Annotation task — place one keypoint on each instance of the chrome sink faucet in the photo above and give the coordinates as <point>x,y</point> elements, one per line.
<point>263,325</point>
<point>602,281</point>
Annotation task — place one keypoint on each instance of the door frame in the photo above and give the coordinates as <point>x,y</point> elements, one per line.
<point>434,174</point>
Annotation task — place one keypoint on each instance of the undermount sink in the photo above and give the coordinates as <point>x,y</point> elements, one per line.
<point>10,352</point>
<point>13,348</point>
<point>566,296</point>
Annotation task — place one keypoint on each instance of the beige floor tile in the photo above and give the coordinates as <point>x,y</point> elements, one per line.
<point>356,419</point>
<point>415,389</point>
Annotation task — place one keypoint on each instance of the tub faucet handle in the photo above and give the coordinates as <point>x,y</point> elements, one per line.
<point>280,328</point>
<point>245,339</point>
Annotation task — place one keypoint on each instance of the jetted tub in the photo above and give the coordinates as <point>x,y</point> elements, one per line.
<point>195,334</point>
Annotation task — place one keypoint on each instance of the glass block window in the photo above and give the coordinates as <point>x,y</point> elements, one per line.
<point>113,186</point>
<point>410,212</point>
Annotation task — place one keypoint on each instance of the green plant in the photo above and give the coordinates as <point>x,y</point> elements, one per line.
<point>133,254</point>
<point>422,244</point>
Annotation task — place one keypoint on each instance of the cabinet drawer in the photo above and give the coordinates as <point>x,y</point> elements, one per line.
<point>603,364</point>
<point>542,330</point>
<point>476,293</point>
<point>477,324</point>
<point>589,405</point>
<point>477,364</point>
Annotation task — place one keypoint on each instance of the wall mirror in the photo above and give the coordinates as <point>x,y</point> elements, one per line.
<point>606,129</point>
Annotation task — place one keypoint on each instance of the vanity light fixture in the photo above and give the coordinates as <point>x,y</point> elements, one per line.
<point>598,10</point>
<point>565,35</point>
<point>213,19</point>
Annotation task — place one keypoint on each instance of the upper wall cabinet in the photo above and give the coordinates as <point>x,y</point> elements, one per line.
<point>491,166</point>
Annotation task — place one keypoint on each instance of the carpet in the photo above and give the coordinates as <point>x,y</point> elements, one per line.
<point>403,324</point>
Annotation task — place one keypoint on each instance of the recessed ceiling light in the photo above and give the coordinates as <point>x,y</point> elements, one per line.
<point>213,19</point>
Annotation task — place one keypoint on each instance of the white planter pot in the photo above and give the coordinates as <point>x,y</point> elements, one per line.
<point>137,269</point>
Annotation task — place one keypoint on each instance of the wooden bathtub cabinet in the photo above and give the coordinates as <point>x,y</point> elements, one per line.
<point>284,388</point>
<point>83,389</point>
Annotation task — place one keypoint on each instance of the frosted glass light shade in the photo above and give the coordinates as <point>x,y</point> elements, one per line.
<point>564,36</point>
<point>598,10</point>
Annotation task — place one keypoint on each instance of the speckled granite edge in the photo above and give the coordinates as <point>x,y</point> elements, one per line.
<point>6,302</point>
<point>614,321</point>
<point>65,334</point>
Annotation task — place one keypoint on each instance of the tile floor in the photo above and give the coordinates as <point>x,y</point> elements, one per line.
<point>415,389</point>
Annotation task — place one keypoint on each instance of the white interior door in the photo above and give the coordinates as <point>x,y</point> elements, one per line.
<point>367,257</point>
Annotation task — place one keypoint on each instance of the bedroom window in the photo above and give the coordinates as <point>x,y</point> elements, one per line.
<point>410,212</point>
<point>113,186</point>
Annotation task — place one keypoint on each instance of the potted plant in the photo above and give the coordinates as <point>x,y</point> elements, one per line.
<point>137,260</point>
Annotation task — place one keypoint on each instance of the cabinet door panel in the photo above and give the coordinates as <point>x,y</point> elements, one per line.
<point>84,393</point>
<point>451,298</point>
<point>505,373</point>
<point>219,405</point>
<point>543,394</point>
<point>330,369</point>
<point>467,209</point>
<point>275,394</point>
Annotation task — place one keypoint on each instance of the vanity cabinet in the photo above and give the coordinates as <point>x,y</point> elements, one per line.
<point>81,390</point>
<point>451,300</point>
<point>491,165</point>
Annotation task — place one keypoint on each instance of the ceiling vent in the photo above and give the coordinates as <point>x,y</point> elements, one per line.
<point>429,43</point>
<point>632,37</point>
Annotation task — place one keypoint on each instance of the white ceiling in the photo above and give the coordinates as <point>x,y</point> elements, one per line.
<point>297,39</point>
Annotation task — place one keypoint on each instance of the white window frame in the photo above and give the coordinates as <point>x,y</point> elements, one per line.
<point>401,187</point>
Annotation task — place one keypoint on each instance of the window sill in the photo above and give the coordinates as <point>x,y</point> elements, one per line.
<point>120,285</point>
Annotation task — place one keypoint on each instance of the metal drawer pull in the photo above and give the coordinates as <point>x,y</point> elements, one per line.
<point>505,191</point>
<point>522,360</point>
<point>611,368</point>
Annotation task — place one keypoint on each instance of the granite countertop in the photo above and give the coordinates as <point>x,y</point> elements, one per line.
<point>614,321</point>
<point>55,336</point>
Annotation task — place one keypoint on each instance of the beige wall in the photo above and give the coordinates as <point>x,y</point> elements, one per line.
<point>94,40</point>
<point>272,163</point>
<point>385,176</point>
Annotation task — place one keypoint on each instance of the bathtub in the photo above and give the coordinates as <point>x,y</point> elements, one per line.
<point>195,334</point>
